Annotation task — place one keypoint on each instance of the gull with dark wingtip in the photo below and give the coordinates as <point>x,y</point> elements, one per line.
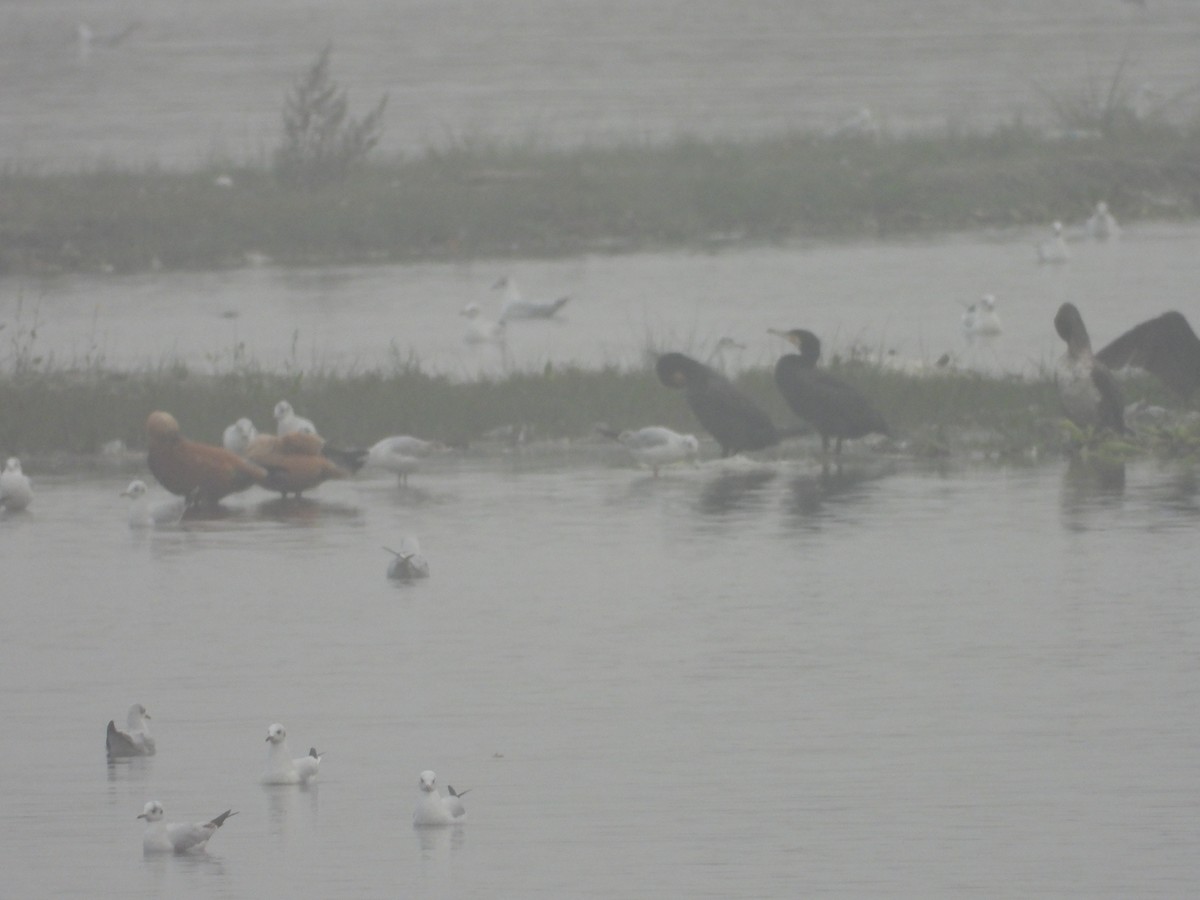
<point>833,407</point>
<point>1164,346</point>
<point>1089,393</point>
<point>732,418</point>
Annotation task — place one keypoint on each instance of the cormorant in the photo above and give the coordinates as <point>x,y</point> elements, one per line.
<point>833,407</point>
<point>1089,393</point>
<point>732,418</point>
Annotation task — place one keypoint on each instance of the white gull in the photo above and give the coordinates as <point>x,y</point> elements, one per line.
<point>147,513</point>
<point>135,740</point>
<point>281,767</point>
<point>176,837</point>
<point>433,808</point>
<point>16,491</point>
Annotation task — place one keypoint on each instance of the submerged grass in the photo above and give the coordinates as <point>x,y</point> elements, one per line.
<point>480,198</point>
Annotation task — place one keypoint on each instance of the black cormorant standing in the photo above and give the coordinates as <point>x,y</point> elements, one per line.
<point>833,407</point>
<point>736,421</point>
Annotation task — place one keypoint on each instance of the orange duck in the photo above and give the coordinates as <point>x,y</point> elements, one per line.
<point>201,472</point>
<point>296,461</point>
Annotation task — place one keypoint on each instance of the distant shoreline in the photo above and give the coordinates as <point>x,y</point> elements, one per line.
<point>478,200</point>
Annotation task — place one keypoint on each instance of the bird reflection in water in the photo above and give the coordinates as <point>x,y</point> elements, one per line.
<point>809,494</point>
<point>734,490</point>
<point>1090,484</point>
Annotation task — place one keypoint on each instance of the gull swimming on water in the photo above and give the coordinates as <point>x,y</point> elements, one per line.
<point>408,562</point>
<point>281,767</point>
<point>237,437</point>
<point>176,837</point>
<point>135,740</point>
<point>433,808</point>
<point>1054,249</point>
<point>287,422</point>
<point>146,514</point>
<point>516,307</point>
<point>16,491</point>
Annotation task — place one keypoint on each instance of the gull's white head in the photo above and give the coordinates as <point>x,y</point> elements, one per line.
<point>276,733</point>
<point>427,782</point>
<point>137,712</point>
<point>246,427</point>
<point>152,812</point>
<point>1101,207</point>
<point>1058,227</point>
<point>13,465</point>
<point>283,409</point>
<point>989,301</point>
<point>136,488</point>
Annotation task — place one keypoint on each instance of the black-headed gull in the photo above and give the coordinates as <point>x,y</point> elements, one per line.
<point>655,446</point>
<point>287,422</point>
<point>1054,249</point>
<point>135,740</point>
<point>980,319</point>
<point>237,437</point>
<point>281,767</point>
<point>147,513</point>
<point>16,491</point>
<point>176,837</point>
<point>516,307</point>
<point>481,330</point>
<point>408,562</point>
<point>433,808</point>
<point>1102,224</point>
<point>400,454</point>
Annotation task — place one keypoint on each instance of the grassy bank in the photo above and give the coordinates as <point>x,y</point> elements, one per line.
<point>480,199</point>
<point>948,414</point>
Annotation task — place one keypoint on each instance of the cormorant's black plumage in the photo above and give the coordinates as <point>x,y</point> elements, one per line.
<point>737,423</point>
<point>836,409</point>
<point>1164,346</point>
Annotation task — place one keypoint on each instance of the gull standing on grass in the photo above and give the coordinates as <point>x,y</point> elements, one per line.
<point>176,837</point>
<point>433,808</point>
<point>16,491</point>
<point>135,740</point>
<point>281,767</point>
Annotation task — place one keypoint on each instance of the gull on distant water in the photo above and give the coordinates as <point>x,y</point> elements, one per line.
<point>144,513</point>
<point>408,562</point>
<point>980,319</point>
<point>400,454</point>
<point>1103,225</point>
<point>516,307</point>
<point>481,330</point>
<point>135,740</point>
<point>287,422</point>
<point>237,437</point>
<point>281,767</point>
<point>16,491</point>
<point>656,446</point>
<point>433,808</point>
<point>1054,249</point>
<point>176,837</point>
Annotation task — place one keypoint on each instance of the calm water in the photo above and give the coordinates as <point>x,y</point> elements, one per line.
<point>742,680</point>
<point>904,298</point>
<point>198,81</point>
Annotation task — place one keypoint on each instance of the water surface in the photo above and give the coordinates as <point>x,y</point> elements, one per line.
<point>746,679</point>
